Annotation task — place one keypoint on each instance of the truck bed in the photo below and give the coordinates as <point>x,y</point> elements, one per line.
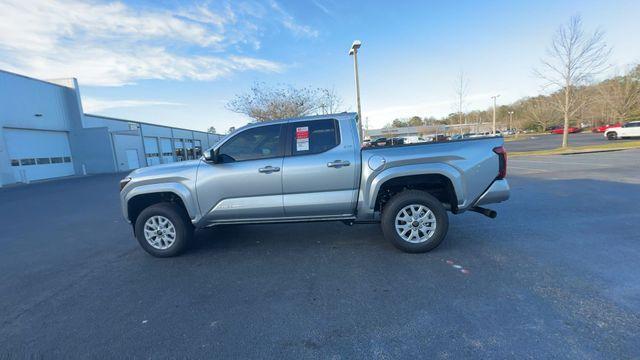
<point>470,164</point>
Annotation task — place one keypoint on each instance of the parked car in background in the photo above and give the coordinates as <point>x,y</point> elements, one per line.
<point>313,169</point>
<point>413,139</point>
<point>396,141</point>
<point>603,128</point>
<point>630,129</point>
<point>560,130</point>
<point>379,142</point>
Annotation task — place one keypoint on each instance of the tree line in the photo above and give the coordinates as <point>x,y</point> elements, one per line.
<point>616,99</point>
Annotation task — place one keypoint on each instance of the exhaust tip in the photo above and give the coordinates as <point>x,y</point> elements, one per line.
<point>484,211</point>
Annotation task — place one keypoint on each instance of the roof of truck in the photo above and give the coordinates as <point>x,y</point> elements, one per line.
<point>338,116</point>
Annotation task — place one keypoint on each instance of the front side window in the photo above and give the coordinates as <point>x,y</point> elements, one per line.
<point>253,144</point>
<point>313,137</point>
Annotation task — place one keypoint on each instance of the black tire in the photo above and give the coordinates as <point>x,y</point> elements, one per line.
<point>410,197</point>
<point>178,218</point>
<point>612,135</point>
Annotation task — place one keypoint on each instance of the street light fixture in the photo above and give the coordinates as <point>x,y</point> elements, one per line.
<point>494,97</point>
<point>354,52</point>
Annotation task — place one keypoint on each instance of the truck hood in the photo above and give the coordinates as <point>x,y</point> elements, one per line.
<point>157,171</point>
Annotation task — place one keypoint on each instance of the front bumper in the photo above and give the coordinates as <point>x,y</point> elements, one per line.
<point>499,191</point>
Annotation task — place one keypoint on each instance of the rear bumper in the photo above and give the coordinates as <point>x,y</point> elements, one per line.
<point>498,192</point>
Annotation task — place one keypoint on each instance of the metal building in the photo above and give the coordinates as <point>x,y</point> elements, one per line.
<point>44,133</point>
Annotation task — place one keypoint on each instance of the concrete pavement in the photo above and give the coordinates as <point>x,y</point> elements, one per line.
<point>555,275</point>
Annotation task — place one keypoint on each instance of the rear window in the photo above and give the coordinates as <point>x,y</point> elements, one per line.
<point>314,137</point>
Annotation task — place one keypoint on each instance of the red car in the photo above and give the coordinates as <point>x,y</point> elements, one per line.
<point>603,128</point>
<point>560,130</point>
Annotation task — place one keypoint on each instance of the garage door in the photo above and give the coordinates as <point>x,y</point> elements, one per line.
<point>36,155</point>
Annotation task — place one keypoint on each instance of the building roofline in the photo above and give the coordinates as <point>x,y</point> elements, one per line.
<point>39,80</point>
<point>147,123</point>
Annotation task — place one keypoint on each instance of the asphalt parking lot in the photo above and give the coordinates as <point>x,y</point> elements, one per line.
<point>556,275</point>
<point>551,141</point>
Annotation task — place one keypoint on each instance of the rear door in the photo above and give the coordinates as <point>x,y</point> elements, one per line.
<point>247,182</point>
<point>319,170</point>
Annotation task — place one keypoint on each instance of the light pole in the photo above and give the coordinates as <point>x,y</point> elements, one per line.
<point>354,51</point>
<point>494,97</point>
<point>510,119</point>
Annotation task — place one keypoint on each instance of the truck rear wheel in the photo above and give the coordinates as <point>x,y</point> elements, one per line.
<point>163,230</point>
<point>414,221</point>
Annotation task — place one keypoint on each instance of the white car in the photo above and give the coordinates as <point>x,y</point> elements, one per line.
<point>413,139</point>
<point>630,129</point>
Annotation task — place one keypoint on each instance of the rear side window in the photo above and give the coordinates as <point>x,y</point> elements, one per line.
<point>314,137</point>
<point>253,144</point>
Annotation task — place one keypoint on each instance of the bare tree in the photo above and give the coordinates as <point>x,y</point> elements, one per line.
<point>572,60</point>
<point>539,112</point>
<point>622,93</point>
<point>266,103</point>
<point>329,102</point>
<point>461,90</point>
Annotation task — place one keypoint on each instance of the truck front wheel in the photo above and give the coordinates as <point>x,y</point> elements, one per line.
<point>163,230</point>
<point>414,221</point>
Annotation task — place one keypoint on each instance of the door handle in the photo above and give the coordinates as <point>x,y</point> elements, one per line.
<point>338,163</point>
<point>268,169</point>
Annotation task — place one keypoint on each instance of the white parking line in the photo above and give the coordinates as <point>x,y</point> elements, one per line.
<point>559,162</point>
<point>529,170</point>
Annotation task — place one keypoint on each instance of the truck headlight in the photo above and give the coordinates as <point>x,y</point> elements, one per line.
<point>124,182</point>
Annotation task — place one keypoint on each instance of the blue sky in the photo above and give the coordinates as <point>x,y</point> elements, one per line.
<point>178,63</point>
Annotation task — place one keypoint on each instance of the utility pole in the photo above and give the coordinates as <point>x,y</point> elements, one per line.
<point>510,119</point>
<point>494,97</point>
<point>354,51</point>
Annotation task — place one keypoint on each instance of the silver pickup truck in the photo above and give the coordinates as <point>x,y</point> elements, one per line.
<point>313,169</point>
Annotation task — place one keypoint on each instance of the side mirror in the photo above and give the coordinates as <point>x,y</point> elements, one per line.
<point>211,156</point>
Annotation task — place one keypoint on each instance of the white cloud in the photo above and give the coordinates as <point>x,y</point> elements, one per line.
<point>322,7</point>
<point>111,43</point>
<point>290,23</point>
<point>93,105</point>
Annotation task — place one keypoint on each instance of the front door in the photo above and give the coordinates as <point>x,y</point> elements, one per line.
<point>246,183</point>
<point>319,177</point>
